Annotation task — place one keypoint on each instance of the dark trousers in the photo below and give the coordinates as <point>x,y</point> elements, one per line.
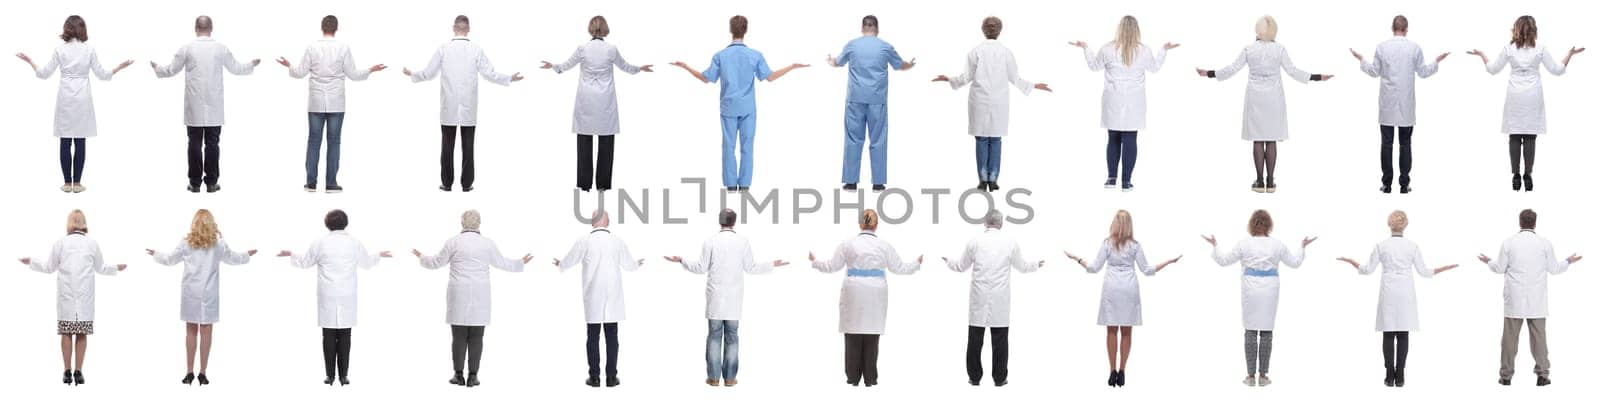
<point>203,154</point>
<point>861,358</point>
<point>1121,146</point>
<point>72,162</point>
<point>593,348</point>
<point>1001,352</point>
<point>336,351</point>
<point>1388,133</point>
<point>590,170</point>
<point>1522,147</point>
<point>466,347</point>
<point>447,156</point>
<point>1396,344</point>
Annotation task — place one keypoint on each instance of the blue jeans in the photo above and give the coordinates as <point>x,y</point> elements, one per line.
<point>1123,146</point>
<point>863,121</point>
<point>988,158</point>
<point>722,350</point>
<point>72,162</point>
<point>738,131</point>
<point>333,123</point>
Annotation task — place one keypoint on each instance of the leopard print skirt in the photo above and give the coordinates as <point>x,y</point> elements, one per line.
<point>74,327</point>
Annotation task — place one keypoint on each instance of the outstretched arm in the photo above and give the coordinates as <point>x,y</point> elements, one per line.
<point>784,71</point>
<point>697,75</point>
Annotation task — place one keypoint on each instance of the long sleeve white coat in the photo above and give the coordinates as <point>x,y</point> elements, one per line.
<point>1398,63</point>
<point>458,63</point>
<point>1266,116</point>
<point>201,301</point>
<point>1120,303</point>
<point>1527,260</point>
<point>74,102</point>
<point>336,257</point>
<point>991,256</point>
<point>864,300</point>
<point>75,260</point>
<point>990,68</point>
<point>1259,256</point>
<point>469,255</point>
<point>603,256</point>
<point>328,63</point>
<point>1397,294</point>
<point>1524,108</point>
<point>203,61</point>
<point>1122,103</point>
<point>595,110</point>
<point>724,259</point>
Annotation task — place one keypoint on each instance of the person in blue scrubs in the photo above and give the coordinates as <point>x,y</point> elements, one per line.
<point>866,110</point>
<point>737,67</point>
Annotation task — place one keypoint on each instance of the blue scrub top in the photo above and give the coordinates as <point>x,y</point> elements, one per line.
<point>737,68</point>
<point>869,60</point>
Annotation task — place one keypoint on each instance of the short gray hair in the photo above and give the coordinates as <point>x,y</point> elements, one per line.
<point>462,24</point>
<point>994,219</point>
<point>202,24</point>
<point>727,218</point>
<point>471,220</point>
<point>600,218</point>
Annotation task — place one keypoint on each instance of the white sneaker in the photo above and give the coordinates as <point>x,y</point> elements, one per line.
<point>78,188</point>
<point>66,188</point>
<point>1263,381</point>
<point>1250,381</point>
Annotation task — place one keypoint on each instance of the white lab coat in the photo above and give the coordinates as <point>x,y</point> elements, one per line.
<point>1397,295</point>
<point>201,301</point>
<point>204,61</point>
<point>991,256</point>
<point>75,260</point>
<point>724,259</point>
<point>1120,304</point>
<point>329,63</point>
<point>1398,62</point>
<point>336,257</point>
<point>595,111</point>
<point>1527,260</point>
<point>989,69</point>
<point>603,257</point>
<point>1524,109</point>
<point>1122,104</point>
<point>864,300</point>
<point>74,102</point>
<point>459,62</point>
<point>1259,294</point>
<point>470,255</point>
<point>1266,117</point>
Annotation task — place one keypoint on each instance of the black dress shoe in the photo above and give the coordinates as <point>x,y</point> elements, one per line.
<point>1516,182</point>
<point>1405,189</point>
<point>469,189</point>
<point>1388,378</point>
<point>853,383</point>
<point>1543,381</point>
<point>472,380</point>
<point>849,187</point>
<point>1002,383</point>
<point>213,188</point>
<point>458,380</point>
<point>203,380</point>
<point>77,377</point>
<point>66,377</point>
<point>1527,182</point>
<point>993,186</point>
<point>612,382</point>
<point>983,186</point>
<point>188,379</point>
<point>444,188</point>
<point>878,188</point>
<point>1386,189</point>
<point>343,381</point>
<point>1505,381</point>
<point>328,381</point>
<point>871,384</point>
<point>593,382</point>
<point>1122,378</point>
<point>194,188</point>
<point>972,383</point>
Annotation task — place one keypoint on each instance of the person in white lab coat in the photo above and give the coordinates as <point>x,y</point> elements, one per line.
<point>336,257</point>
<point>1527,260</point>
<point>1523,119</point>
<point>1120,305</point>
<point>594,113</point>
<point>467,300</point>
<point>1397,63</point>
<point>1259,258</point>
<point>1397,296</point>
<point>203,60</point>
<point>990,256</point>
<point>75,260</point>
<point>328,63</point>
<point>604,256</point>
<point>459,62</point>
<point>990,68</point>
<point>74,118</point>
<point>724,259</point>
<point>1122,103</point>
<point>202,252</point>
<point>1266,115</point>
<point>864,298</point>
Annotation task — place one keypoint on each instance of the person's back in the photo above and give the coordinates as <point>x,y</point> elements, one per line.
<point>725,273</point>
<point>75,259</point>
<point>993,68</point>
<point>869,60</point>
<point>737,68</point>
<point>326,62</point>
<point>1527,260</point>
<point>599,61</point>
<point>458,76</point>
<point>1399,258</point>
<point>203,62</point>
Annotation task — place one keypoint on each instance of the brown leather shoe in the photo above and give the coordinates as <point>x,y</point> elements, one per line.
<point>712,382</point>
<point>730,382</point>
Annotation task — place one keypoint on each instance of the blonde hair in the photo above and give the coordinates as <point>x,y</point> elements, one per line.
<point>76,222</point>
<point>1398,221</point>
<point>203,231</point>
<point>1121,229</point>
<point>869,220</point>
<point>1128,39</point>
<point>1267,28</point>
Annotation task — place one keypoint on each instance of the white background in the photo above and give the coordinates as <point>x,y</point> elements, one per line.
<point>1192,178</point>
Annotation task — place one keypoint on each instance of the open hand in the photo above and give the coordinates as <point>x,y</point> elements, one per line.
<point>674,259</point>
<point>1170,46</point>
<point>285,253</point>
<point>1210,239</point>
<point>283,61</point>
<point>1307,241</point>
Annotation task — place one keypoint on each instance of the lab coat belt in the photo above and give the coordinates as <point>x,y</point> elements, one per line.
<point>865,273</point>
<point>1273,271</point>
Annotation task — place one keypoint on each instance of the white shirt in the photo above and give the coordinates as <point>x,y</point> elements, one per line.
<point>990,68</point>
<point>1524,109</point>
<point>1259,294</point>
<point>864,300</point>
<point>201,301</point>
<point>1397,295</point>
<point>336,257</point>
<point>991,256</point>
<point>1122,104</point>
<point>74,102</point>
<point>75,260</point>
<point>595,111</point>
<point>1527,260</point>
<point>470,255</point>
<point>329,63</point>
<point>203,61</point>
<point>603,257</point>
<point>1398,63</point>
<point>1120,302</point>
<point>724,259</point>
<point>459,62</point>
<point>1266,117</point>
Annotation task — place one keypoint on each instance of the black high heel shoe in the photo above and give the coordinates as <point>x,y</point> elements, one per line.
<point>77,377</point>
<point>343,381</point>
<point>1122,378</point>
<point>458,380</point>
<point>1516,182</point>
<point>203,380</point>
<point>1112,380</point>
<point>328,381</point>
<point>1527,182</point>
<point>66,377</point>
<point>472,380</point>
<point>188,379</point>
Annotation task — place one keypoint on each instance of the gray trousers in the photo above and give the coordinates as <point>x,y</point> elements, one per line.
<point>1536,342</point>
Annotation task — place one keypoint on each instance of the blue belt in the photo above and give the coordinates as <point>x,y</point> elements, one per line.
<point>865,273</point>
<point>1273,272</point>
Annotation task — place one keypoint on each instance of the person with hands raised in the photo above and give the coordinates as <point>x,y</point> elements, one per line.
<point>724,259</point>
<point>1120,305</point>
<point>458,64</point>
<point>595,114</point>
<point>1397,295</point>
<point>990,256</point>
<point>737,68</point>
<point>203,62</point>
<point>328,63</point>
<point>1259,257</point>
<point>1523,119</point>
<point>467,297</point>
<point>603,256</point>
<point>74,116</point>
<point>202,252</point>
<point>864,297</point>
<point>1526,260</point>
<point>1398,63</point>
<point>336,257</point>
<point>1125,61</point>
<point>990,68</point>
<point>866,108</point>
<point>75,259</point>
